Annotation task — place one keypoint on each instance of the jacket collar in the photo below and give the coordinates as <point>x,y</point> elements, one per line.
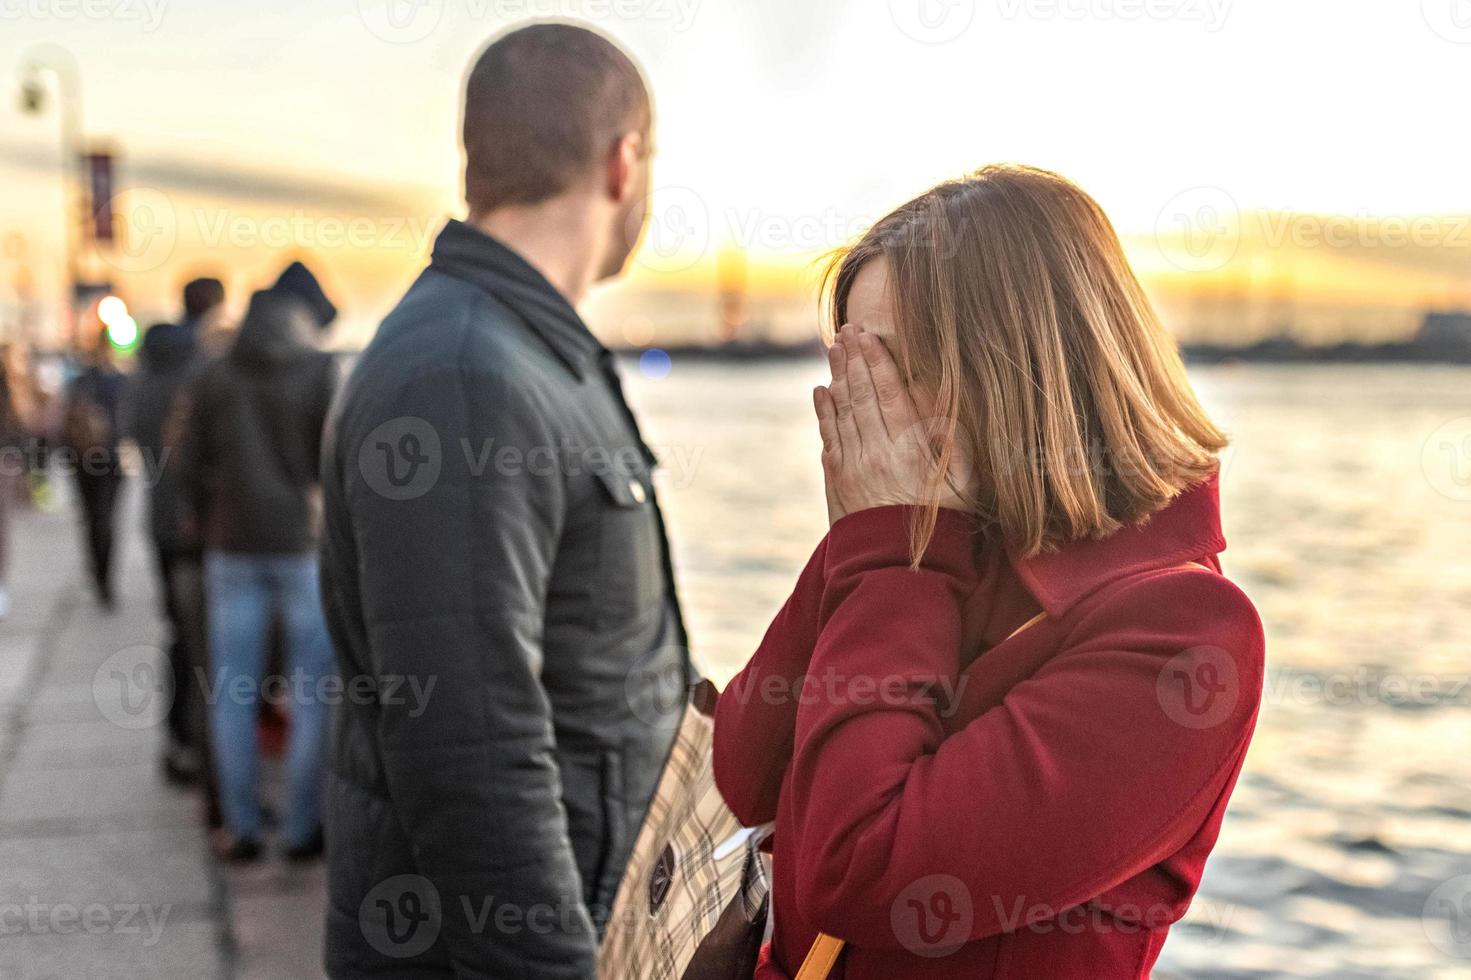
<point>1187,529</point>
<point>467,253</point>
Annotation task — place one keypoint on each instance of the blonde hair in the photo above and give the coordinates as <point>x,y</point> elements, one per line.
<point>1015,307</point>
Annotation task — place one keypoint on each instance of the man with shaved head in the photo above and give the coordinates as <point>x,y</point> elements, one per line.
<point>495,568</point>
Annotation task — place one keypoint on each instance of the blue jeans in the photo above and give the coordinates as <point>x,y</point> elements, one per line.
<point>244,592</point>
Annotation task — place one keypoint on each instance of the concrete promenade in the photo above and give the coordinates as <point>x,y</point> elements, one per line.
<point>105,872</point>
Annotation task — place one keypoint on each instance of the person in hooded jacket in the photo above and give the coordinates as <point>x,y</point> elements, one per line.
<point>250,472</point>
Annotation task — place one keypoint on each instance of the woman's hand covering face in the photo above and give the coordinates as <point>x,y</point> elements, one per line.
<point>877,449</point>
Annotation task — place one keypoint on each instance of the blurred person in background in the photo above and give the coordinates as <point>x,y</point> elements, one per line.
<point>90,430</point>
<point>536,598</point>
<point>45,383</point>
<point>15,411</point>
<point>249,470</point>
<point>166,358</point>
<point>159,422</point>
<point>204,307</point>
<point>1023,553</point>
<point>300,282</point>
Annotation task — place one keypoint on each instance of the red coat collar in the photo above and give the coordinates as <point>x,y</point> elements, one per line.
<point>1188,529</point>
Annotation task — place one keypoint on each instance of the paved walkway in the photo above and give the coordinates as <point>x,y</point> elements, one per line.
<point>104,869</point>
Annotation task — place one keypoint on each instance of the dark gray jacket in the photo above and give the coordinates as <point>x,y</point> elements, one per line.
<point>165,360</point>
<point>248,463</point>
<point>497,581</point>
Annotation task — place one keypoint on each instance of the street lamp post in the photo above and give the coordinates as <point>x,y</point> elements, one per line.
<point>57,61</point>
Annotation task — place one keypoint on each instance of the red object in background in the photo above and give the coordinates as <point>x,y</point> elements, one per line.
<point>1050,814</point>
<point>99,170</point>
<point>271,730</point>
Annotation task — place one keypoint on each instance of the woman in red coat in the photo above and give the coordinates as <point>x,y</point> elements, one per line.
<point>999,719</point>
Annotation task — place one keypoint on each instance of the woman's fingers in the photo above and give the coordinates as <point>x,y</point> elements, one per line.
<point>869,419</point>
<point>827,424</point>
<point>894,402</point>
<point>837,357</point>
<point>832,451</point>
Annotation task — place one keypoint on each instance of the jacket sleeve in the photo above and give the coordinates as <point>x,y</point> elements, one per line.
<point>190,413</point>
<point>1087,774</point>
<point>757,711</point>
<point>455,554</point>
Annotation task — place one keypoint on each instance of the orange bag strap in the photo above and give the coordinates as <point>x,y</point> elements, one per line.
<point>826,949</point>
<point>820,958</point>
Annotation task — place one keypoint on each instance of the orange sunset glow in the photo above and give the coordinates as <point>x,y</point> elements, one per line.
<point>767,149</point>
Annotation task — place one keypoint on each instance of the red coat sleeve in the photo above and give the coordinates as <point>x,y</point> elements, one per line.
<point>757,711</point>
<point>1081,779</point>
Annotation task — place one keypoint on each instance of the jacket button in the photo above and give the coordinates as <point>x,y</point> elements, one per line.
<point>637,489</point>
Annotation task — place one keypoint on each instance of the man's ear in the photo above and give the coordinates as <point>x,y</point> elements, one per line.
<point>623,161</point>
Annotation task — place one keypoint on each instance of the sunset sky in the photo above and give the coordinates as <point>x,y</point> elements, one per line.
<point>263,131</point>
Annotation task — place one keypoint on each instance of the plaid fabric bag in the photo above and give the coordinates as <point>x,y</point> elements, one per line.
<point>692,903</point>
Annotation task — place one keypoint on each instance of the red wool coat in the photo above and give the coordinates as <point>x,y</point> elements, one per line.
<point>957,801</point>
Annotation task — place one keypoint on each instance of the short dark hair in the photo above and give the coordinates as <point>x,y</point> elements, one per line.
<point>542,103</point>
<point>202,295</point>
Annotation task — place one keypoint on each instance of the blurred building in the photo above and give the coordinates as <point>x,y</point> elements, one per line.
<point>1446,333</point>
